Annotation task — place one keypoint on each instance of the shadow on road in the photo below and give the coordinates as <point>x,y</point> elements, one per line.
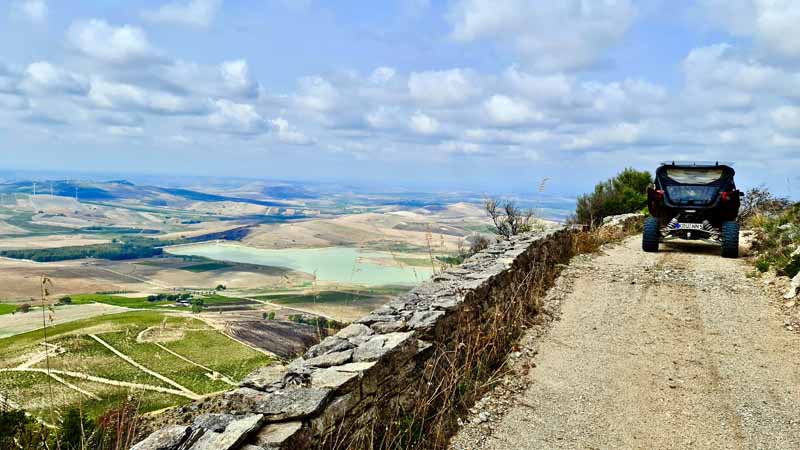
<point>690,247</point>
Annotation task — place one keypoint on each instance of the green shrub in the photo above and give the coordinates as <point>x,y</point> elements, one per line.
<point>762,265</point>
<point>777,238</point>
<point>625,193</point>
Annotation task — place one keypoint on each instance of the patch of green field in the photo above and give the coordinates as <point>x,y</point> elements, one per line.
<point>25,221</point>
<point>7,309</point>
<point>213,300</point>
<point>85,355</point>
<point>329,297</point>
<point>13,346</point>
<point>33,391</point>
<point>158,360</point>
<point>150,263</point>
<point>191,338</point>
<point>487,229</point>
<point>126,302</point>
<point>335,297</point>
<point>220,353</point>
<point>112,397</point>
<point>37,393</point>
<point>418,262</point>
<point>207,267</point>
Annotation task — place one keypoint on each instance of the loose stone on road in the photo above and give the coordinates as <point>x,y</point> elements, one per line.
<point>672,350</point>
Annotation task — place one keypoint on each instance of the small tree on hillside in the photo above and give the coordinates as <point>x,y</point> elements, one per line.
<point>508,219</point>
<point>625,193</point>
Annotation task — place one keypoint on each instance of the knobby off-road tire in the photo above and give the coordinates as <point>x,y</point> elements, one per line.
<point>730,240</point>
<point>651,235</point>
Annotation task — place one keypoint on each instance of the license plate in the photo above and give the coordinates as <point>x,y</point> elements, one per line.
<point>690,226</point>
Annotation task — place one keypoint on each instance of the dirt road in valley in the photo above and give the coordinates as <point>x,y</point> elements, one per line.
<point>674,350</point>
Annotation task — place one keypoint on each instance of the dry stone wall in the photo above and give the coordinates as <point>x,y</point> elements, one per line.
<point>398,377</point>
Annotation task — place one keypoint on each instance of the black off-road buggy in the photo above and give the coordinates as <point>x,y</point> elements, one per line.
<point>693,201</point>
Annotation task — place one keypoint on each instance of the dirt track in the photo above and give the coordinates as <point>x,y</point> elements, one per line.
<point>673,350</point>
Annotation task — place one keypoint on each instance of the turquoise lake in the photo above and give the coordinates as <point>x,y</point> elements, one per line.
<point>332,264</point>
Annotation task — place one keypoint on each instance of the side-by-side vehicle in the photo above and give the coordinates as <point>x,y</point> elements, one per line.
<point>693,201</point>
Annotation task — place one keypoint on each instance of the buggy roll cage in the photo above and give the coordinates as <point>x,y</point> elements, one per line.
<point>724,184</point>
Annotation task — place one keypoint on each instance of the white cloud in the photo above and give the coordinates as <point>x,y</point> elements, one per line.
<point>116,45</point>
<point>42,77</point>
<point>180,139</point>
<point>237,118</point>
<point>549,35</point>
<point>33,10</point>
<point>316,94</point>
<point>468,148</point>
<point>199,13</point>
<point>771,23</point>
<point>443,88</point>
<point>556,88</point>
<point>236,77</point>
<point>286,134</point>
<point>504,110</point>
<point>724,77</point>
<point>421,123</point>
<point>382,118</point>
<point>616,134</point>
<point>125,97</point>
<point>125,131</point>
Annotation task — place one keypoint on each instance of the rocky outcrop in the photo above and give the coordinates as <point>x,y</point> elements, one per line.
<point>394,372</point>
<point>624,222</point>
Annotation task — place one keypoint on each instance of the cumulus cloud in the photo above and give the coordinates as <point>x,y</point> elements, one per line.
<point>771,23</point>
<point>567,34</point>
<point>236,77</point>
<point>199,13</point>
<point>382,117</point>
<point>129,97</point>
<point>443,88</point>
<point>286,134</point>
<point>97,39</point>
<point>504,110</point>
<point>316,94</point>
<point>616,134</point>
<point>235,118</point>
<point>422,123</point>
<point>33,10</point>
<point>43,77</point>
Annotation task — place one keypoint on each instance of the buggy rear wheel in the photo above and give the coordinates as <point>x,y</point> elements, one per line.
<point>730,239</point>
<point>651,235</point>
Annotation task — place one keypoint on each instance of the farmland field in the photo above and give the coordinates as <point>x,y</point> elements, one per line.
<point>158,359</point>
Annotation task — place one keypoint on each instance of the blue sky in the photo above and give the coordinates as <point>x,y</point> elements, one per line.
<point>484,95</point>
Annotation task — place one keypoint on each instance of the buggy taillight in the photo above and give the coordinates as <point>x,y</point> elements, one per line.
<point>660,194</point>
<point>725,196</point>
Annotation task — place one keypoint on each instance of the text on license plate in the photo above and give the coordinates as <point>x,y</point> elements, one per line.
<point>690,226</point>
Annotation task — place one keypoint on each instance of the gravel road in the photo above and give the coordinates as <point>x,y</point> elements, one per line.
<point>674,350</point>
